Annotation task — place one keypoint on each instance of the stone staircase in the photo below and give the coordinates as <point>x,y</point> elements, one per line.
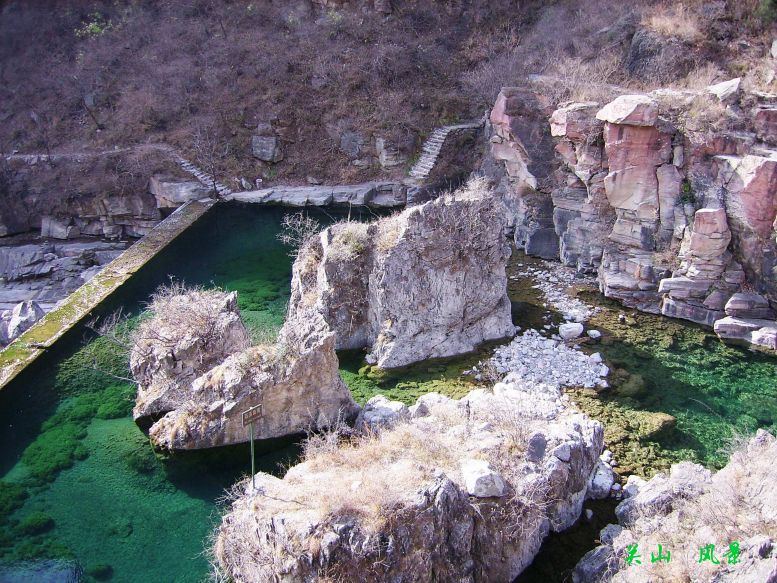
<point>202,176</point>
<point>433,146</point>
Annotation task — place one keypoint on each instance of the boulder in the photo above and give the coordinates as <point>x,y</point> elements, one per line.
<point>295,383</point>
<point>749,305</point>
<point>602,481</point>
<point>570,330</point>
<point>727,91</point>
<point>480,480</point>
<point>266,148</point>
<point>427,283</point>
<point>188,334</point>
<point>635,110</point>
<point>58,228</point>
<point>448,492</point>
<point>21,318</point>
<point>380,412</point>
<point>757,332</point>
<point>170,192</point>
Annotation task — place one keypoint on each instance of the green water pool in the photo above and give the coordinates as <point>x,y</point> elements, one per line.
<point>79,481</point>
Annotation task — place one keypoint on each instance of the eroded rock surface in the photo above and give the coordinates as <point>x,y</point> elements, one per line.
<point>429,282</point>
<point>692,508</point>
<point>452,493</point>
<point>197,374</point>
<point>672,220</point>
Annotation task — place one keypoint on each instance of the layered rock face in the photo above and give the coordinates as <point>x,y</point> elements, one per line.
<point>50,271</point>
<point>427,283</point>
<point>688,510</point>
<point>671,222</point>
<point>448,490</point>
<point>197,375</point>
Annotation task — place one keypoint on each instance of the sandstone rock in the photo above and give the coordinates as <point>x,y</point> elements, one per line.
<point>427,283</point>
<point>570,331</point>
<point>575,121</point>
<point>171,192</point>
<point>480,480</point>
<point>417,501</point>
<point>750,183</point>
<point>296,383</point>
<point>635,110</point>
<point>753,331</point>
<point>749,305</point>
<point>266,148</point>
<point>727,91</point>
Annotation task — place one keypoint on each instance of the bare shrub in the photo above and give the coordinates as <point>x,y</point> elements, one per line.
<point>175,312</point>
<point>296,230</point>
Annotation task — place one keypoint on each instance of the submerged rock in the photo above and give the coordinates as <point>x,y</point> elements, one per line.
<point>445,496</point>
<point>427,283</point>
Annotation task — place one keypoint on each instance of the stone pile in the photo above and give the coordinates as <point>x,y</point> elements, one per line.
<point>534,359</point>
<point>553,280</point>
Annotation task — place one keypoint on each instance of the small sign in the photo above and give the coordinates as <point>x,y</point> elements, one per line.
<point>252,414</point>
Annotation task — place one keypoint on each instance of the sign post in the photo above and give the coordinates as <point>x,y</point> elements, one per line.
<point>249,416</point>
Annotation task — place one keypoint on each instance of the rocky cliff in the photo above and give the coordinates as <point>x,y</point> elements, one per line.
<point>690,510</point>
<point>668,197</point>
<point>426,283</point>
<point>444,490</point>
<point>197,374</point>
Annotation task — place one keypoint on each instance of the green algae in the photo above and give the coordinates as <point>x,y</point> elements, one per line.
<point>677,391</point>
<point>406,384</point>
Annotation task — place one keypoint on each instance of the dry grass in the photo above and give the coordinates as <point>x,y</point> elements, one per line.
<point>737,505</point>
<point>675,19</point>
<point>389,231</point>
<point>349,240</point>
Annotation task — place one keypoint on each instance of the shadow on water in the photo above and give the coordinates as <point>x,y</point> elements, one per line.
<point>561,551</point>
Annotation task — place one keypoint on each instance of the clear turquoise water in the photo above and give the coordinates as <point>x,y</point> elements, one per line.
<point>79,480</point>
<point>95,490</point>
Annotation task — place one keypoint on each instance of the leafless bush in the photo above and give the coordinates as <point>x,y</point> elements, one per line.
<point>296,230</point>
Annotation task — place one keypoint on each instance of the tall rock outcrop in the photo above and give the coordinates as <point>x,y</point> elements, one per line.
<point>426,283</point>
<point>197,374</point>
<point>448,490</point>
<point>673,219</point>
